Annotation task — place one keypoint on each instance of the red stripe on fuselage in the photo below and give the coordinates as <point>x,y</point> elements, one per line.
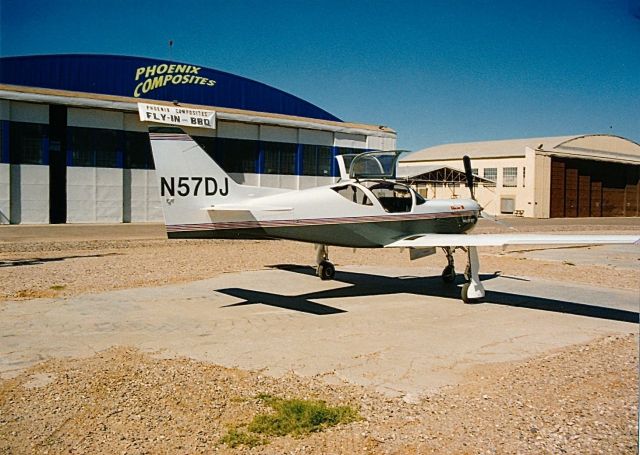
<point>313,221</point>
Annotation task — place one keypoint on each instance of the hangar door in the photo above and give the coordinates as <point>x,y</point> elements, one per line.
<point>583,188</point>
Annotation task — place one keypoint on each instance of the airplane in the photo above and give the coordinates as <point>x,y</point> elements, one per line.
<point>366,208</point>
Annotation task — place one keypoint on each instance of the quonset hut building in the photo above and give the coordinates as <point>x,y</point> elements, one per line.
<point>73,150</point>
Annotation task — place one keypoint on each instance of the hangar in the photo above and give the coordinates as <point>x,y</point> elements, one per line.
<point>589,175</point>
<point>73,149</point>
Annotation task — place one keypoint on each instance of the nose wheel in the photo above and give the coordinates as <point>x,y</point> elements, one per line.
<point>472,290</point>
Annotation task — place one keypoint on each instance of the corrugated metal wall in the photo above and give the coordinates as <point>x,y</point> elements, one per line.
<point>112,188</point>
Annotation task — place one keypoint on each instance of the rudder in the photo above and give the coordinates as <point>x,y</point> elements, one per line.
<point>190,180</point>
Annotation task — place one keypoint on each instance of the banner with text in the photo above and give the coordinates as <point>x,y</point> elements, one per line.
<point>176,115</point>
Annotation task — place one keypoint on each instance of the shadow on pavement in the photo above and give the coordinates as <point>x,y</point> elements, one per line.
<point>363,284</point>
<point>37,261</point>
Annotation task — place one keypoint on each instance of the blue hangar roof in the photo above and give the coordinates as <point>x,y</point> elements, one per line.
<point>152,79</point>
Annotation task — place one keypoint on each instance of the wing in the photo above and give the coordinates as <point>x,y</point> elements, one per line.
<point>443,240</point>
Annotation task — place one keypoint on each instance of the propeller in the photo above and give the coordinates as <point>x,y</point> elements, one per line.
<point>468,171</point>
<point>469,174</point>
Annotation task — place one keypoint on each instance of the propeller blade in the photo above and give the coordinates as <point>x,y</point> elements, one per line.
<point>469,174</point>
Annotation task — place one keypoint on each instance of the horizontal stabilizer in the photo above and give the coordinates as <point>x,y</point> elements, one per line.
<point>444,240</point>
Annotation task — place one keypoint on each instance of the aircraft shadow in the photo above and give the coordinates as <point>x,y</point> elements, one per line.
<point>364,284</point>
<point>37,261</point>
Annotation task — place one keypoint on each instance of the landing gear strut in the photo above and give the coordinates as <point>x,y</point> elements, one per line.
<point>449,272</point>
<point>325,269</point>
<point>472,291</point>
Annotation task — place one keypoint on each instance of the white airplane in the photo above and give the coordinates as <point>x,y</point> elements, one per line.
<point>365,209</point>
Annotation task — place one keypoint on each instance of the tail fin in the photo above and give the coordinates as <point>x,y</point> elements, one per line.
<point>190,181</point>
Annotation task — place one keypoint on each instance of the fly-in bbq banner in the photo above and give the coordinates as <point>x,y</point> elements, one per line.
<point>176,115</point>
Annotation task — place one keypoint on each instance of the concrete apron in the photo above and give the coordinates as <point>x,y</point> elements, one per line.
<point>384,328</point>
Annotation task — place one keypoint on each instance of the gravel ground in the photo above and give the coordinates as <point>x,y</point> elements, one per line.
<point>60,269</point>
<point>583,399</point>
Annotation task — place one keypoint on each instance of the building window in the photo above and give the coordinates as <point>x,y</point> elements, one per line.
<point>137,151</point>
<point>82,153</point>
<point>236,155</point>
<point>350,155</point>
<point>27,143</point>
<point>490,173</point>
<point>316,160</point>
<point>348,151</point>
<point>93,147</point>
<point>510,177</point>
<point>107,143</point>
<point>474,171</point>
<point>279,158</point>
<point>209,145</point>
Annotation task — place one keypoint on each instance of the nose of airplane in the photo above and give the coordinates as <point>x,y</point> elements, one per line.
<point>472,205</point>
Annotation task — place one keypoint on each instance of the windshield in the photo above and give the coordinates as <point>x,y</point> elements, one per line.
<point>394,197</point>
<point>375,165</point>
<point>352,193</point>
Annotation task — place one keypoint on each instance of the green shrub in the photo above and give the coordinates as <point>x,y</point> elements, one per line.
<point>299,417</point>
<point>291,417</point>
<point>235,438</point>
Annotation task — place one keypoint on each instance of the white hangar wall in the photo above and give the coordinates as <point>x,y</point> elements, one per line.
<point>28,184</point>
<point>109,189</point>
<point>140,195</point>
<point>94,194</point>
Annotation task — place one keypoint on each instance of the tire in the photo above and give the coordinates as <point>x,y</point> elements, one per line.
<point>449,274</point>
<point>326,270</point>
<point>465,290</point>
<point>465,295</point>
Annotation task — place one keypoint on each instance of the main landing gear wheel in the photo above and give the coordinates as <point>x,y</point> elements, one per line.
<point>326,270</point>
<point>449,274</point>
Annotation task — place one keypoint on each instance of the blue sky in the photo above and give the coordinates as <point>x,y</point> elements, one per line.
<point>436,71</point>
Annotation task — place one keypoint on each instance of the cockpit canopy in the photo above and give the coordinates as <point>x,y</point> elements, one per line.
<point>375,165</point>
<point>393,197</point>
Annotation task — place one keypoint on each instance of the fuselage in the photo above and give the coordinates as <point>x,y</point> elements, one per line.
<point>365,214</point>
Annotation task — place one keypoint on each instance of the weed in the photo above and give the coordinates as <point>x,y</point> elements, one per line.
<point>57,287</point>
<point>236,437</point>
<point>291,417</point>
<point>299,417</point>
